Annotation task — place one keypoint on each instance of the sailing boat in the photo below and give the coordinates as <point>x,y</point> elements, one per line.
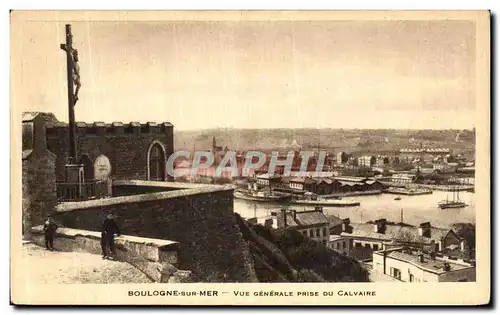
<point>455,203</point>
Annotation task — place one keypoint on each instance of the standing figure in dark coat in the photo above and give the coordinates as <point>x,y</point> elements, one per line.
<point>109,229</point>
<point>49,229</point>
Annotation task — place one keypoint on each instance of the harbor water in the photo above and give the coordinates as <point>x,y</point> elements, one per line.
<point>416,209</point>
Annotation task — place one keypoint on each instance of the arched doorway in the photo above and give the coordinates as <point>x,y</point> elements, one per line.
<point>156,162</point>
<point>88,167</point>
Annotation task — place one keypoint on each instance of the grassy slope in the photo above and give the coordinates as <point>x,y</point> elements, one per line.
<point>288,256</point>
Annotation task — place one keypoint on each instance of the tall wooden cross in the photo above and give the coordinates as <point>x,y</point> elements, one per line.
<point>73,78</point>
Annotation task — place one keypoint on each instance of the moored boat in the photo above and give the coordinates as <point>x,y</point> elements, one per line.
<point>261,196</point>
<point>451,204</point>
<point>454,203</point>
<point>327,203</point>
<point>408,191</point>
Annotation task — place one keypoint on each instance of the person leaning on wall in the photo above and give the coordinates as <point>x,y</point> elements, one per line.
<point>109,229</point>
<point>49,231</point>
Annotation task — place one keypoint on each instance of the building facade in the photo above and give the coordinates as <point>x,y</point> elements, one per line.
<point>107,152</point>
<point>313,223</point>
<point>130,151</point>
<point>370,237</point>
<point>340,244</point>
<point>408,265</point>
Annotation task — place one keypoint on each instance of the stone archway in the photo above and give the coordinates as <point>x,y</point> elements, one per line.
<point>156,162</point>
<point>88,167</point>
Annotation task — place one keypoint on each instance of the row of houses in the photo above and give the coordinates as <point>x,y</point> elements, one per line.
<point>370,241</point>
<point>321,185</point>
<point>406,264</point>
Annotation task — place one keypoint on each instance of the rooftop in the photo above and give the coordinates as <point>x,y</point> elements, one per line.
<point>305,180</point>
<point>334,220</point>
<point>335,237</point>
<point>267,176</point>
<point>351,179</point>
<point>30,116</point>
<point>396,232</point>
<point>305,218</point>
<point>435,265</point>
<point>349,183</point>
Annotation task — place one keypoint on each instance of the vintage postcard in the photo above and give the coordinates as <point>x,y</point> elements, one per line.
<point>250,158</point>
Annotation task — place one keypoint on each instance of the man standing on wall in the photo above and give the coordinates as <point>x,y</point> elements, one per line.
<point>109,229</point>
<point>49,229</point>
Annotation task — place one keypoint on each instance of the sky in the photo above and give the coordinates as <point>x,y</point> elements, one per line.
<point>254,74</point>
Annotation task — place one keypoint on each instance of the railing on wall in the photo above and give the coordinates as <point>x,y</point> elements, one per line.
<point>81,191</point>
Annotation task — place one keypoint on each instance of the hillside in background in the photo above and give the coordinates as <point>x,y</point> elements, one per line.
<point>352,140</point>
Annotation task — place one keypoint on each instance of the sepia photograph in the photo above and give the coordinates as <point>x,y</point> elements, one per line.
<point>239,157</point>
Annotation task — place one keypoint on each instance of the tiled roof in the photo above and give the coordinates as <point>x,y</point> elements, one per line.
<point>311,217</point>
<point>325,180</point>
<point>305,180</point>
<point>343,183</point>
<point>334,220</point>
<point>305,218</point>
<point>350,179</point>
<point>397,232</point>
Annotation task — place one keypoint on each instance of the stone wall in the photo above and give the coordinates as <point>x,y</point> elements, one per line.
<point>155,258</point>
<point>38,173</point>
<point>126,146</point>
<point>200,219</point>
<point>39,189</point>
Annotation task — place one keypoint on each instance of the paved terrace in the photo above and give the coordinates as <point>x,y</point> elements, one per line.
<point>45,267</point>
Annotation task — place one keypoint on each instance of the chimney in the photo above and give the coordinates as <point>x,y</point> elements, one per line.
<point>420,256</point>
<point>446,267</point>
<point>345,224</point>
<point>425,229</point>
<point>283,215</point>
<point>269,223</point>
<point>380,225</point>
<point>433,255</point>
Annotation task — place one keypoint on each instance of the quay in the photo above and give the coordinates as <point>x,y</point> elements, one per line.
<point>408,192</point>
<point>326,203</point>
<point>468,188</point>
<point>352,194</point>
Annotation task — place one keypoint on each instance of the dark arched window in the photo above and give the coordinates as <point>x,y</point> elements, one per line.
<point>88,167</point>
<point>156,163</point>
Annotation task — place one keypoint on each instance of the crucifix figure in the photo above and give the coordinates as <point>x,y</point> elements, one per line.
<point>75,70</point>
<point>76,73</point>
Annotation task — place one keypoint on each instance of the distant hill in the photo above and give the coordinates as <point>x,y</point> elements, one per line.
<point>352,140</point>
